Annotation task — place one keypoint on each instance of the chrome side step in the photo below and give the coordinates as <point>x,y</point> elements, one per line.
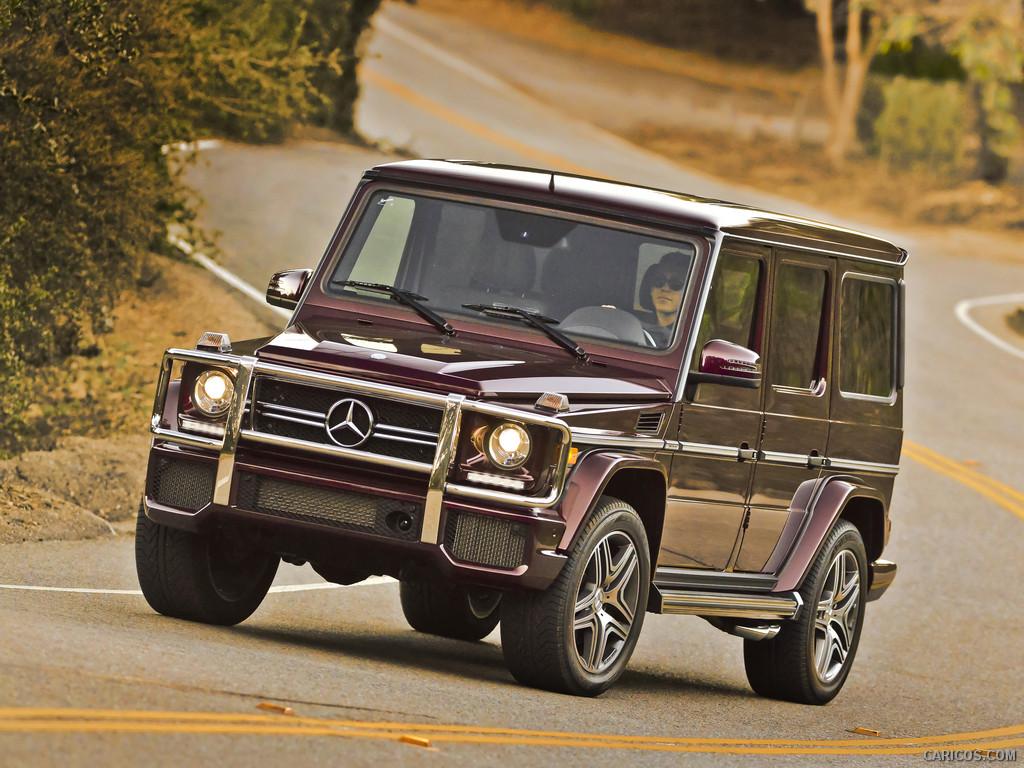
<point>764,607</point>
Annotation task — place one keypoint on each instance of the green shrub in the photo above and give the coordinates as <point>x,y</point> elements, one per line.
<point>89,92</point>
<point>921,126</point>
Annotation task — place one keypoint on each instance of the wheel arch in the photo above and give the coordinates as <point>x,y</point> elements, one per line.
<point>819,505</point>
<point>640,482</point>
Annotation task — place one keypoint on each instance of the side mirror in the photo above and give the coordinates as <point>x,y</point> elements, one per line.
<point>286,287</point>
<point>722,362</point>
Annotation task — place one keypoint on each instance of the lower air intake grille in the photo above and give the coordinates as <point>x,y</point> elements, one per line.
<point>182,484</point>
<point>484,540</point>
<point>341,509</point>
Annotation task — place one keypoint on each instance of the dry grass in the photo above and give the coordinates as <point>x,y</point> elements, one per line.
<point>108,389</point>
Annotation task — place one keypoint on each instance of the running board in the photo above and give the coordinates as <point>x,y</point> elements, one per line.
<point>767,607</point>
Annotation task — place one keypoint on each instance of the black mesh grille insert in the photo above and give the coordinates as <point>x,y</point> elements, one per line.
<point>182,484</point>
<point>340,509</point>
<point>393,420</point>
<point>489,541</point>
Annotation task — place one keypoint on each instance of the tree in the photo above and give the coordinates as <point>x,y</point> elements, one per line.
<point>985,35</point>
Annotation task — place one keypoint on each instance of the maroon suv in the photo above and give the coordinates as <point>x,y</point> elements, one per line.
<point>559,402</point>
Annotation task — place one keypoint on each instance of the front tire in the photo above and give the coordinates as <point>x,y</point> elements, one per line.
<point>809,660</point>
<point>578,635</point>
<point>446,610</point>
<point>200,577</point>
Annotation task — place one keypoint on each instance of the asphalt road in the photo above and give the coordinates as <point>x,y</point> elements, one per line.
<point>90,678</point>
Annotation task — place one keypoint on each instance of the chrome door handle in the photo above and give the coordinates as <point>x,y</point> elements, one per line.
<point>744,453</point>
<point>814,461</point>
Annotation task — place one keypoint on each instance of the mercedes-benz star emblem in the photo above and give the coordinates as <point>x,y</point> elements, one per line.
<point>349,423</point>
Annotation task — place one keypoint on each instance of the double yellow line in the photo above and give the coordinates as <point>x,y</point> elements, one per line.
<point>62,720</point>
<point>1006,497</point>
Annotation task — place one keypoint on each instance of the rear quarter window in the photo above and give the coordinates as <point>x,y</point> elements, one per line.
<point>867,336</point>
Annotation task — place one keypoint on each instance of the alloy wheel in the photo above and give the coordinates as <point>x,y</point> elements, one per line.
<point>606,602</point>
<point>836,617</point>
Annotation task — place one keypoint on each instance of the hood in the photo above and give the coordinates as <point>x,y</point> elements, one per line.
<point>475,367</point>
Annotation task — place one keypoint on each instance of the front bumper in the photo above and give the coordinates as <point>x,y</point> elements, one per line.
<point>317,495</point>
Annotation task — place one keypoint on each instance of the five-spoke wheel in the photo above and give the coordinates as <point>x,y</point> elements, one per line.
<point>606,603</point>
<point>578,635</point>
<point>810,659</point>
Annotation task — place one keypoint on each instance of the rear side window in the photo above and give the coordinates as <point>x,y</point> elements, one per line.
<point>867,350</point>
<point>796,353</point>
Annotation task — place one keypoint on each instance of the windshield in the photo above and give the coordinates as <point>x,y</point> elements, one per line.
<point>595,281</point>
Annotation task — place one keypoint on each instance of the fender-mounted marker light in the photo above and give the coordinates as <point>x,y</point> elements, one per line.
<point>552,402</point>
<point>573,455</point>
<point>214,342</point>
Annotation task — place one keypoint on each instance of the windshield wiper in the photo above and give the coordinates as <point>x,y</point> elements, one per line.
<point>536,319</point>
<point>408,298</point>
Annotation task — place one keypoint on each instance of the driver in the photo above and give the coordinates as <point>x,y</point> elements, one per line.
<point>661,294</point>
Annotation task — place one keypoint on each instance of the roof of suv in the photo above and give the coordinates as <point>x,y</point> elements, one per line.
<point>636,202</point>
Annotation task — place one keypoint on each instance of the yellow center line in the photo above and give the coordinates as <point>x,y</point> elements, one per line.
<point>1005,496</point>
<point>65,720</point>
<point>479,130</point>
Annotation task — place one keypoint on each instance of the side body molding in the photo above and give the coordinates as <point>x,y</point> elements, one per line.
<point>593,472</point>
<point>816,506</point>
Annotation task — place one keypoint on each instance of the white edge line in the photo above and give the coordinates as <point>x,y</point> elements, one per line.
<point>228,277</point>
<point>370,582</point>
<point>963,310</point>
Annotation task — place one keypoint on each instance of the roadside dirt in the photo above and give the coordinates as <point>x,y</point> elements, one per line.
<point>84,470</point>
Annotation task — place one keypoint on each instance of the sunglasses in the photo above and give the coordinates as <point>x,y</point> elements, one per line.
<point>672,282</point>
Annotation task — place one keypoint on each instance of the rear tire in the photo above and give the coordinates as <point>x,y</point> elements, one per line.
<point>809,660</point>
<point>577,635</point>
<point>200,577</point>
<point>447,610</point>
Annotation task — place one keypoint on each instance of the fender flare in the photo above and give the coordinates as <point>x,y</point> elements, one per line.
<point>816,506</point>
<point>591,476</point>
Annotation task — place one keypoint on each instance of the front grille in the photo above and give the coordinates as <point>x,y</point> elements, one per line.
<point>485,540</point>
<point>299,411</point>
<point>340,509</point>
<point>182,484</point>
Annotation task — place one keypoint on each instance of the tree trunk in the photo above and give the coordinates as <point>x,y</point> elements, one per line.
<point>843,91</point>
<point>989,165</point>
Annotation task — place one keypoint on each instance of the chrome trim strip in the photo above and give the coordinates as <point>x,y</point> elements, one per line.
<point>295,420</point>
<point>447,439</point>
<point>737,606</point>
<point>181,438</point>
<point>403,439</point>
<point>587,436</point>
<point>707,449</point>
<point>337,451</point>
<point>232,429</point>
<point>408,431</point>
<point>787,459</point>
<point>288,409</point>
<point>864,466</point>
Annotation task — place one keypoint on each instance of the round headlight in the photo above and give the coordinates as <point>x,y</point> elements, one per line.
<point>212,393</point>
<point>508,446</point>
